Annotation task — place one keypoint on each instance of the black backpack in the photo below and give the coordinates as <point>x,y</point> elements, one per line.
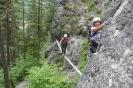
<point>93,44</point>
<point>89,33</point>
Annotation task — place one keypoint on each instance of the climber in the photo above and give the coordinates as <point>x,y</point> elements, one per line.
<point>96,33</point>
<point>64,41</point>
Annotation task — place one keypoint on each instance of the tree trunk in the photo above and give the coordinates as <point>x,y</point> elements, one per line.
<point>8,32</point>
<point>41,20</point>
<point>38,28</point>
<point>35,28</point>
<point>23,31</point>
<point>13,41</point>
<point>4,62</point>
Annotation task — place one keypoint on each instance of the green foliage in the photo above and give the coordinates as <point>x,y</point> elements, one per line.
<point>88,15</point>
<point>76,18</point>
<point>47,77</point>
<point>45,46</point>
<point>2,1</point>
<point>99,15</point>
<point>2,12</point>
<point>74,24</point>
<point>71,6</point>
<point>1,79</point>
<point>79,31</point>
<point>84,55</point>
<point>73,27</point>
<point>102,1</point>
<point>71,17</point>
<point>75,8</point>
<point>48,14</point>
<point>67,6</point>
<point>92,7</point>
<point>32,28</point>
<point>65,20</point>
<point>18,72</point>
<point>59,61</point>
<point>87,1</point>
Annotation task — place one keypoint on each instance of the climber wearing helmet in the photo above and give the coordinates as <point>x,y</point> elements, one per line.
<point>96,33</point>
<point>64,42</point>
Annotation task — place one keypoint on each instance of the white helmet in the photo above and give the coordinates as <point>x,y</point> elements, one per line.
<point>96,19</point>
<point>65,35</point>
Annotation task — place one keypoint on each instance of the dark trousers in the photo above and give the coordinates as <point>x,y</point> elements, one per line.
<point>93,46</point>
<point>64,48</point>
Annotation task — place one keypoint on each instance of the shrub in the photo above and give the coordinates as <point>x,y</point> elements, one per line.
<point>91,6</point>
<point>47,77</point>
<point>87,1</point>
<point>79,31</point>
<point>1,79</point>
<point>18,72</point>
<point>59,62</point>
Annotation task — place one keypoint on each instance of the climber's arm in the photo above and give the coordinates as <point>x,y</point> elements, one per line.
<point>61,40</point>
<point>96,29</point>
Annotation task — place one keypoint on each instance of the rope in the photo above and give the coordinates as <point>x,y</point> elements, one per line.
<point>68,59</point>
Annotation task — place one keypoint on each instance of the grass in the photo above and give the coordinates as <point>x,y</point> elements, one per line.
<point>84,55</point>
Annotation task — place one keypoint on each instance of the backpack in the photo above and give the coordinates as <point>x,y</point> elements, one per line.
<point>93,44</point>
<point>89,33</point>
<point>64,40</point>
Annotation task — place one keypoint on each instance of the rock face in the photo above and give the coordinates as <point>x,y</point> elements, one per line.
<point>70,18</point>
<point>73,52</point>
<point>112,67</point>
<point>22,84</point>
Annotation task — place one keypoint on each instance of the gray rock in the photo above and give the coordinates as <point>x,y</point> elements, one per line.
<point>22,84</point>
<point>110,7</point>
<point>69,17</point>
<point>73,52</point>
<point>112,67</point>
<point>50,49</point>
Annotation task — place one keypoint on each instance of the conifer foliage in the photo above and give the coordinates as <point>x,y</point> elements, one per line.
<point>24,29</point>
